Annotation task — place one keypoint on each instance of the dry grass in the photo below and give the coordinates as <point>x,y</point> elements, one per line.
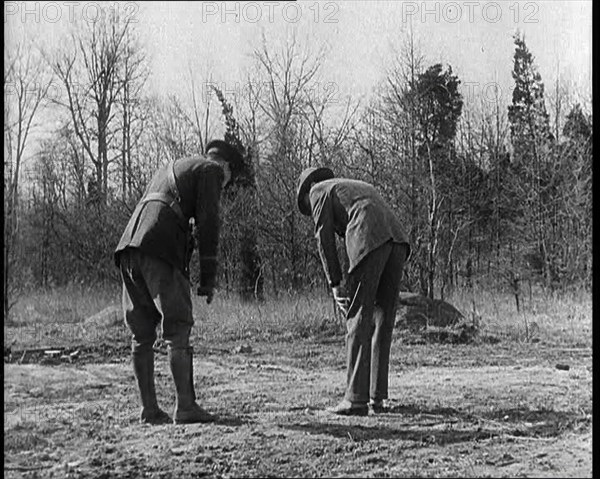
<point>66,304</point>
<point>48,317</point>
<point>555,319</point>
<point>55,318</point>
<point>285,318</point>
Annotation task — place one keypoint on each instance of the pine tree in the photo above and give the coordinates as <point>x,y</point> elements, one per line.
<point>575,192</point>
<point>532,143</point>
<point>436,104</point>
<point>529,120</point>
<point>577,127</point>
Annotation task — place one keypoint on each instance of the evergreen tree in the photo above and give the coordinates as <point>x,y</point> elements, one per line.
<point>437,105</point>
<point>575,193</point>
<point>532,143</point>
<point>440,105</point>
<point>577,127</point>
<point>529,121</point>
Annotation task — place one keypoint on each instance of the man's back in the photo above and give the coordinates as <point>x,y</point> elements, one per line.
<point>357,212</point>
<point>161,230</point>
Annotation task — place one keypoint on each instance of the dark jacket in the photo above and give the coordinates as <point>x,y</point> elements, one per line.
<point>163,231</point>
<point>355,211</point>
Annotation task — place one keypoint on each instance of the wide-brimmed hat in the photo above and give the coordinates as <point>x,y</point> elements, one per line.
<point>307,178</point>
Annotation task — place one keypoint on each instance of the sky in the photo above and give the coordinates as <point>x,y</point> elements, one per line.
<point>215,40</point>
<point>475,38</point>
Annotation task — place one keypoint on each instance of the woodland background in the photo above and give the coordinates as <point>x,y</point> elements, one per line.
<point>490,196</point>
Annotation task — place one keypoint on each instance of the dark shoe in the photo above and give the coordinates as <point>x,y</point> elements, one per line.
<point>187,411</point>
<point>155,417</point>
<point>192,415</point>
<point>377,407</point>
<point>347,408</point>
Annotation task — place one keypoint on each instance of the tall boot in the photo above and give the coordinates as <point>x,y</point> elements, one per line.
<point>191,350</point>
<point>186,409</point>
<point>143,368</point>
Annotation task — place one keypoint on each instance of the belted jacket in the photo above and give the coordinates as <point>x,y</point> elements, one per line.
<point>160,224</point>
<point>355,211</point>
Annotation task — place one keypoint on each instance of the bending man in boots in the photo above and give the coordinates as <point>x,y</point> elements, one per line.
<point>377,248</point>
<point>153,256</point>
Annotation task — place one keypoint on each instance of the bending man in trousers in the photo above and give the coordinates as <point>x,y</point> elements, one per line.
<point>153,256</point>
<point>377,249</point>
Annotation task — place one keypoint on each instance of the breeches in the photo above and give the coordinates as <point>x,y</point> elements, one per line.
<point>374,282</point>
<point>155,293</point>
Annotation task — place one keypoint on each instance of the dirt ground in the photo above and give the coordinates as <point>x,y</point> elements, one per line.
<point>475,410</point>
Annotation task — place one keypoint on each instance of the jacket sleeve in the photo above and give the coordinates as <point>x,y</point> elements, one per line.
<point>208,223</point>
<point>322,211</point>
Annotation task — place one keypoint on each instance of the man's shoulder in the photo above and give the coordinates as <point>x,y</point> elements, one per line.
<point>323,188</point>
<point>343,186</point>
<point>198,164</point>
<point>349,185</point>
<point>197,160</point>
<point>359,183</point>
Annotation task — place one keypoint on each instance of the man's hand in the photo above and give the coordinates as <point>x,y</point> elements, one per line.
<point>341,300</point>
<point>206,291</point>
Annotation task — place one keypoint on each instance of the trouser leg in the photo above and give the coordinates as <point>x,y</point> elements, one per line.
<point>363,281</point>
<point>142,318</point>
<point>358,355</point>
<point>387,301</point>
<point>168,301</point>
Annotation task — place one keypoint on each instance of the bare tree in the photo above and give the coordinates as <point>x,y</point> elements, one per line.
<point>26,86</point>
<point>93,70</point>
<point>284,77</point>
<point>133,75</point>
<point>295,122</point>
<point>200,117</point>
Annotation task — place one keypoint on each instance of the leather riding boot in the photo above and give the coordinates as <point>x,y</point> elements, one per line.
<point>143,368</point>
<point>191,350</point>
<point>186,409</point>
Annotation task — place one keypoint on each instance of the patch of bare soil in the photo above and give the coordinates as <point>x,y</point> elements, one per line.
<point>455,410</point>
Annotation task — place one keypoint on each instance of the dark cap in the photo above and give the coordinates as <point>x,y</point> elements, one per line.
<point>307,178</point>
<point>228,153</point>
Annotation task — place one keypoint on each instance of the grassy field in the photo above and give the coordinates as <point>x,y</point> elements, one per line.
<point>269,370</point>
<point>56,316</point>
